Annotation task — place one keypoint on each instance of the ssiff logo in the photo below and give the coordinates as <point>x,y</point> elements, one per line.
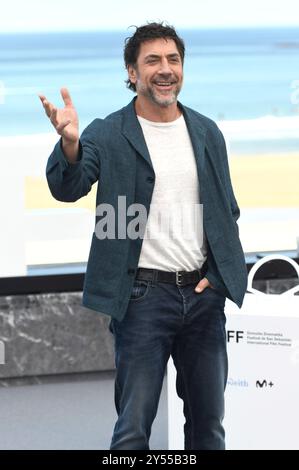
<point>235,336</point>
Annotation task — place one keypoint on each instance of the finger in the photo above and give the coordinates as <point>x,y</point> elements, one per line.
<point>62,125</point>
<point>201,286</point>
<point>66,97</point>
<point>43,100</point>
<point>53,117</point>
<point>48,107</point>
<point>41,97</point>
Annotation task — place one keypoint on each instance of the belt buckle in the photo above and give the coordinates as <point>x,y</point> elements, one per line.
<point>178,278</point>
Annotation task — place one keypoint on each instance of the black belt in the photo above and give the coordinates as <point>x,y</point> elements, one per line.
<point>180,278</point>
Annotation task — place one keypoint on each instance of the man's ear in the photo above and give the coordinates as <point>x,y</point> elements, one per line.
<point>132,73</point>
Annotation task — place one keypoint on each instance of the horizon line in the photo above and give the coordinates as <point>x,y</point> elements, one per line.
<point>121,30</point>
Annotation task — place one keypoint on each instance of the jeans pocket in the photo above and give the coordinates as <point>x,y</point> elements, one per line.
<point>139,290</point>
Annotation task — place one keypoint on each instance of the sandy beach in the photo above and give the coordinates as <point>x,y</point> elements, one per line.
<point>260,180</point>
<point>269,180</point>
<point>265,185</point>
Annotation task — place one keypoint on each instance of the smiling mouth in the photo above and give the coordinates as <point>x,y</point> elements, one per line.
<point>164,85</point>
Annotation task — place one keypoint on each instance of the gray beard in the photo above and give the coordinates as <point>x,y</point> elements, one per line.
<point>150,93</point>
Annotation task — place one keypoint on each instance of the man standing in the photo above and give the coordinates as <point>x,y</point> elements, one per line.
<point>165,294</point>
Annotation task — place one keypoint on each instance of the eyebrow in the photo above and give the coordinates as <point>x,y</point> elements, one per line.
<point>156,56</point>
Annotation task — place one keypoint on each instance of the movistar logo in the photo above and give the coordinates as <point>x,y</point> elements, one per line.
<point>264,384</point>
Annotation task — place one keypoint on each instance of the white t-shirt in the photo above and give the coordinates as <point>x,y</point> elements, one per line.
<point>174,238</point>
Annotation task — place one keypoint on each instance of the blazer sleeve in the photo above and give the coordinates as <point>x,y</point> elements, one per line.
<point>227,180</point>
<point>68,182</point>
<point>212,273</point>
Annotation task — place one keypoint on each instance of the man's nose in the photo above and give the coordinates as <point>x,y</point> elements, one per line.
<point>165,68</point>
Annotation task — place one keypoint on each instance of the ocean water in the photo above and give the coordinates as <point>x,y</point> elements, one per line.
<point>240,78</point>
<point>230,75</point>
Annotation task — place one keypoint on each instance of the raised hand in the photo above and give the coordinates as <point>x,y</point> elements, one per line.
<point>65,121</point>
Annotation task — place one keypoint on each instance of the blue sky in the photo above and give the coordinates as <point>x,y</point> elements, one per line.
<point>55,15</point>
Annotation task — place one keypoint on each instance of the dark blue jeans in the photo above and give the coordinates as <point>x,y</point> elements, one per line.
<point>162,320</point>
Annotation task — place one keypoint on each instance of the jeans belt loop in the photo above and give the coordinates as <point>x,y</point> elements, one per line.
<point>154,276</point>
<point>178,278</point>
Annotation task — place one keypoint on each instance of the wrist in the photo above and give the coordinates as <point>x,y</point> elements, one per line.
<point>70,150</point>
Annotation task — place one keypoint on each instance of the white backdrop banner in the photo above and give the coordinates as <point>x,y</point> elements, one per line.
<point>262,394</point>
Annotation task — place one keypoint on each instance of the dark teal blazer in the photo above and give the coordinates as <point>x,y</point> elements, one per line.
<point>114,153</point>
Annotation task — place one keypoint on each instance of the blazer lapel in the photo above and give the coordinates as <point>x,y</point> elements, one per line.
<point>133,132</point>
<point>197,135</point>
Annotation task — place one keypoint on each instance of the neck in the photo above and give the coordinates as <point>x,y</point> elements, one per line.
<point>156,113</point>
